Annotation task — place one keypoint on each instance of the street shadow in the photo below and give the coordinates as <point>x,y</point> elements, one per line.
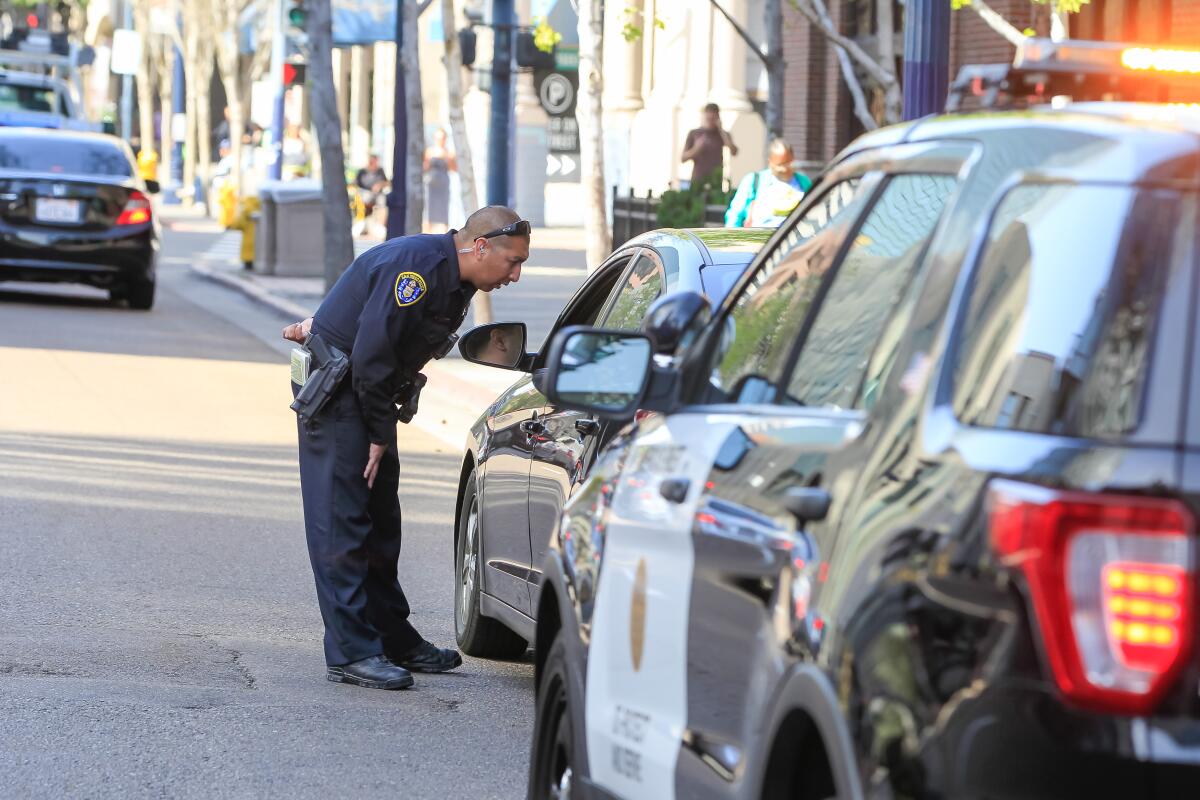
<point>250,481</point>
<point>55,294</point>
<point>80,318</point>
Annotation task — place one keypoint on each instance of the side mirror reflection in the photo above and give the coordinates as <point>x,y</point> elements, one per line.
<point>604,372</point>
<point>499,344</point>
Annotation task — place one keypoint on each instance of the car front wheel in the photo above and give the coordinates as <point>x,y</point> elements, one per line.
<point>554,766</point>
<point>477,635</point>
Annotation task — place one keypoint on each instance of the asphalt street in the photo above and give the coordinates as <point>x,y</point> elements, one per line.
<point>159,634</point>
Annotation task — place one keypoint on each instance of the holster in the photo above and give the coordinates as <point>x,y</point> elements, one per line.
<point>332,366</point>
<point>407,398</point>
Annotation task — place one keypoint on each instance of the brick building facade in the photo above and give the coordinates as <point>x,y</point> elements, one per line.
<point>818,114</point>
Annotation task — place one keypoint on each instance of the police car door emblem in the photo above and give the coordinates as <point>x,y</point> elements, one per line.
<point>637,616</point>
<point>410,287</point>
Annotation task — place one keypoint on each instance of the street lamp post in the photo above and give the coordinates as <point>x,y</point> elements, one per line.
<point>397,199</point>
<point>178,109</point>
<point>127,81</point>
<point>926,57</point>
<point>499,184</point>
<point>278,46</point>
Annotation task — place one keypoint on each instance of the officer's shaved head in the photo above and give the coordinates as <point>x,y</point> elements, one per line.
<point>489,263</point>
<point>488,219</point>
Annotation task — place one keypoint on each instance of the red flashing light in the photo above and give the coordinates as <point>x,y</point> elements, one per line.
<point>31,20</point>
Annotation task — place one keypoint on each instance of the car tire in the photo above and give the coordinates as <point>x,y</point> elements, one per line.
<point>554,765</point>
<point>477,635</point>
<point>140,294</point>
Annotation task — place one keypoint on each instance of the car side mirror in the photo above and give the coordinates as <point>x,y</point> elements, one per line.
<point>601,372</point>
<point>674,321</point>
<point>152,186</point>
<point>497,344</point>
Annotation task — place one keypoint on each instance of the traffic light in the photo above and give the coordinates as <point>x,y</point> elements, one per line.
<point>293,75</point>
<point>466,45</point>
<point>296,14</point>
<point>529,55</point>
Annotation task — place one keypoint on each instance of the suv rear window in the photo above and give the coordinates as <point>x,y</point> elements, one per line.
<point>67,156</point>
<point>1059,326</point>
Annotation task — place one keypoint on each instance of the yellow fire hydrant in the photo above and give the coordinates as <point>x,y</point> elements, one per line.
<point>246,221</point>
<point>227,203</point>
<point>147,164</point>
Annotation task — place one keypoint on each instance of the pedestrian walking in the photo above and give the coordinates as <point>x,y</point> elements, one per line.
<point>765,198</point>
<point>705,147</point>
<point>439,163</point>
<point>396,307</point>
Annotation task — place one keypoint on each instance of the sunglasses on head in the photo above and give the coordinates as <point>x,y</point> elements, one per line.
<point>519,228</point>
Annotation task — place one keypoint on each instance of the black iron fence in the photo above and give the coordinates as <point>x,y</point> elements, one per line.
<point>634,215</point>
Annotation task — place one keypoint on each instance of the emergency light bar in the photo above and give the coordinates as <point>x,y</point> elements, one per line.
<point>1082,70</point>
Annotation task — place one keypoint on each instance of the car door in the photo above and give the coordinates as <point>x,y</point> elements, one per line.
<point>756,561</point>
<point>637,694</point>
<point>701,527</point>
<point>516,433</point>
<point>569,438</point>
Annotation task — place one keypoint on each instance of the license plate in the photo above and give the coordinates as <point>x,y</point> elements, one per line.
<point>53,209</point>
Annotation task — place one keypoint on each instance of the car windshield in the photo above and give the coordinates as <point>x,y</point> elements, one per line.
<point>18,97</point>
<point>63,156</point>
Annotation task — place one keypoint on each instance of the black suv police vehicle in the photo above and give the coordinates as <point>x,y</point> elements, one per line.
<point>917,515</point>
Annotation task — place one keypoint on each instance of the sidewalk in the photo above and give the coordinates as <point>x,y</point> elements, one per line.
<point>457,392</point>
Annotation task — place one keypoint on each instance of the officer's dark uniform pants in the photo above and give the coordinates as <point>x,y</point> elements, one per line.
<point>353,535</point>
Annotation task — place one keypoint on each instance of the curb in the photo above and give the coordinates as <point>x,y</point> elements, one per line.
<point>285,307</point>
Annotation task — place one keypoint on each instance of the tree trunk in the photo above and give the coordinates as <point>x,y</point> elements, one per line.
<point>884,75</point>
<point>776,68</point>
<point>227,65</point>
<point>591,134</point>
<point>204,124</point>
<point>339,246</point>
<point>191,61</point>
<point>1059,30</point>
<point>414,173</point>
<point>462,145</point>
<point>166,85</point>
<point>145,83</point>
<point>886,33</point>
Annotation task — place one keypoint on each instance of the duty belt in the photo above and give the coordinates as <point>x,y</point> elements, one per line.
<point>325,366</point>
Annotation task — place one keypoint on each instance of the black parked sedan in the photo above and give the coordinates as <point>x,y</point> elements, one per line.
<point>525,457</point>
<point>74,210</point>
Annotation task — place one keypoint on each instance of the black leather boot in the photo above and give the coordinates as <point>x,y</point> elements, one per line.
<point>426,657</point>
<point>375,672</point>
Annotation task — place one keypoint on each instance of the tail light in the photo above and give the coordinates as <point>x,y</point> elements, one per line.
<point>1112,586</point>
<point>136,211</point>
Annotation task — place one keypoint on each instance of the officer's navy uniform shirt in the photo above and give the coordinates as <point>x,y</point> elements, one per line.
<point>390,310</point>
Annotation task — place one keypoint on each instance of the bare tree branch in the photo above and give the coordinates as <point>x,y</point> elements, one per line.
<point>424,4</point>
<point>816,13</point>
<point>996,22</point>
<point>742,32</point>
<point>861,109</point>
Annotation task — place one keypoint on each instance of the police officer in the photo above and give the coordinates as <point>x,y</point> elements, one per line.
<point>394,308</point>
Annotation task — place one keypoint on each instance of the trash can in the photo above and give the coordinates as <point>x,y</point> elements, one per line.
<point>299,229</point>
<point>264,239</point>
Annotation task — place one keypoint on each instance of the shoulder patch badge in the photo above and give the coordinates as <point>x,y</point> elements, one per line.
<point>410,287</point>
